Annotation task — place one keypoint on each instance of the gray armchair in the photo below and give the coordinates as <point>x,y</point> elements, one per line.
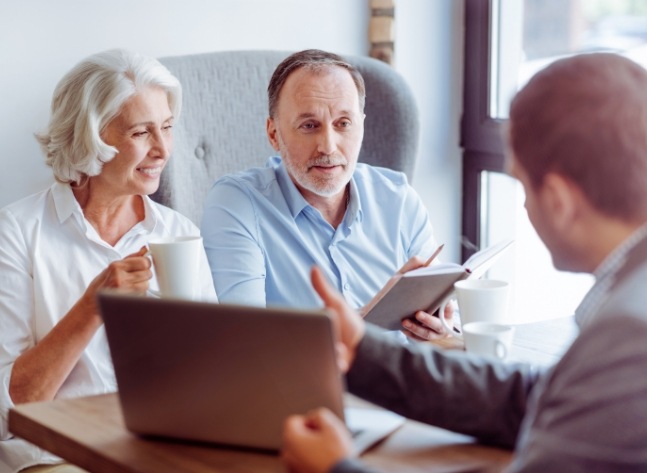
<point>222,127</point>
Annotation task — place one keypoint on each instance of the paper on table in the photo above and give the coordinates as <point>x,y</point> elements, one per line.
<point>370,425</point>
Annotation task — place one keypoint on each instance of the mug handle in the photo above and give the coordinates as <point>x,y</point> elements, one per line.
<point>500,350</point>
<point>149,291</point>
<point>448,328</point>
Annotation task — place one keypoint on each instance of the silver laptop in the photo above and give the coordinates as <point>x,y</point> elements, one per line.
<point>223,373</point>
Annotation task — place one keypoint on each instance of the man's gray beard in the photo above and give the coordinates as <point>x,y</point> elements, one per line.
<point>302,178</point>
<point>325,188</point>
<point>321,188</point>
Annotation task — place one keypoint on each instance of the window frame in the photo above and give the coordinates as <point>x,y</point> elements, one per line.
<point>480,133</point>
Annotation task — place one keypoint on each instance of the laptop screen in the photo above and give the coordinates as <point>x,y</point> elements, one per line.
<point>218,373</point>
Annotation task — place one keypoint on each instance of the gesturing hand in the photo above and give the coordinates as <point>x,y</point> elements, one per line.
<point>348,325</point>
<point>314,443</point>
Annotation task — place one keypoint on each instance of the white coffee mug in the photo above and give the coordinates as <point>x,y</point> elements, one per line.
<point>488,339</point>
<point>480,300</point>
<point>176,262</point>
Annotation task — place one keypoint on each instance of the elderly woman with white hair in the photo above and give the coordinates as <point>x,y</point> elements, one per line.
<point>109,137</point>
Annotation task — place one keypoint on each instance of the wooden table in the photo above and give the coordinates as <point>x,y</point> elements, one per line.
<point>544,342</point>
<point>90,432</point>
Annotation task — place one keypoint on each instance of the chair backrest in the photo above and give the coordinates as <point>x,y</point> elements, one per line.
<point>222,127</point>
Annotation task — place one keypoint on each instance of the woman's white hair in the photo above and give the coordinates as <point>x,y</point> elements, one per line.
<point>85,101</point>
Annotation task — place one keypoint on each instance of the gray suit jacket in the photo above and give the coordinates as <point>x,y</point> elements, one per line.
<point>586,414</point>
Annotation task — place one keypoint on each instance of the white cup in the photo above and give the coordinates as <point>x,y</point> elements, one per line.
<point>177,261</point>
<point>488,339</point>
<point>480,300</point>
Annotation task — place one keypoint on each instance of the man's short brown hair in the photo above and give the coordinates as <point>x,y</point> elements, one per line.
<point>585,117</point>
<point>315,60</point>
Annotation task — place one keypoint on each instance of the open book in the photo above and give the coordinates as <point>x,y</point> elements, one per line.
<point>426,288</point>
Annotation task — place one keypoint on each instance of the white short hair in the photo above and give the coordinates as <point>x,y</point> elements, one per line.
<point>87,98</point>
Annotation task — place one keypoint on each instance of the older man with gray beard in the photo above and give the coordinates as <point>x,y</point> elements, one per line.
<point>264,228</point>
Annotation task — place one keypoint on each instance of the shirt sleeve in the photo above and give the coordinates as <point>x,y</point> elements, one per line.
<point>16,307</point>
<point>231,240</point>
<point>592,413</point>
<point>418,235</point>
<point>450,389</point>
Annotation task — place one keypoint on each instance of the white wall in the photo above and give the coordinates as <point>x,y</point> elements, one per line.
<point>42,39</point>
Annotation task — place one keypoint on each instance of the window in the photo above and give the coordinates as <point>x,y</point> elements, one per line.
<point>506,42</point>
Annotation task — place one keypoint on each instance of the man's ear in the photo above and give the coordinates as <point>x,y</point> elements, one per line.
<point>270,128</point>
<point>561,199</point>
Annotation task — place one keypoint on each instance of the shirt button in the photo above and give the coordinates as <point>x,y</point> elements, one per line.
<point>346,287</point>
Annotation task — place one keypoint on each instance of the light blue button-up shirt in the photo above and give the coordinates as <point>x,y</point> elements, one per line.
<point>262,237</point>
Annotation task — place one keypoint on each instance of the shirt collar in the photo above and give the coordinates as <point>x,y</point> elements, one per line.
<point>296,202</point>
<point>605,277</point>
<point>354,210</point>
<point>618,257</point>
<point>152,218</point>
<point>65,203</point>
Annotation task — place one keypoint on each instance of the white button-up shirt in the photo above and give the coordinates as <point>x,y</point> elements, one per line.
<point>49,254</point>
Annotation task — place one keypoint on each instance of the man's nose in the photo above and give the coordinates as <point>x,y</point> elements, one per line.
<point>327,144</point>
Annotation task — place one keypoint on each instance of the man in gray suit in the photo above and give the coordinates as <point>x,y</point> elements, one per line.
<point>577,141</point>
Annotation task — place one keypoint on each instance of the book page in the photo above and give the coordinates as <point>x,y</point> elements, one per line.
<point>437,268</point>
<point>482,260</point>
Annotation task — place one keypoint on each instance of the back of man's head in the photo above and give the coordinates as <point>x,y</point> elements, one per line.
<point>585,118</point>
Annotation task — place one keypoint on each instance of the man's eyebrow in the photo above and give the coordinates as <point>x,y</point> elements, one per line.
<point>305,115</point>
